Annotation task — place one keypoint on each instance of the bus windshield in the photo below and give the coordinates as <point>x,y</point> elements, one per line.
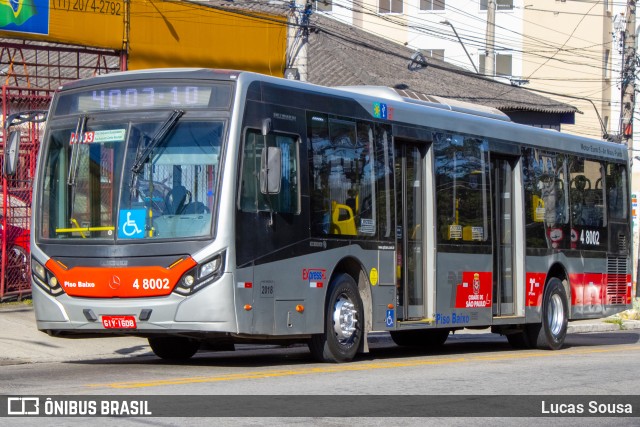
<point>126,180</point>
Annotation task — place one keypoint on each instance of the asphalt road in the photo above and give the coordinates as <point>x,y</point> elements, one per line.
<point>391,384</point>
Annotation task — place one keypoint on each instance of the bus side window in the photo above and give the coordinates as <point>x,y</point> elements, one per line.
<point>345,166</point>
<point>251,199</point>
<point>462,182</point>
<point>586,193</point>
<point>616,182</point>
<point>546,199</point>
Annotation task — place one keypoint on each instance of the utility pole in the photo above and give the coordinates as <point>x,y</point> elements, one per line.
<point>628,85</point>
<point>490,56</point>
<point>627,107</point>
<point>124,52</point>
<point>298,39</point>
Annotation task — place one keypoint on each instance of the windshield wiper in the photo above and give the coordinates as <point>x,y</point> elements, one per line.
<point>76,141</point>
<point>74,166</point>
<point>160,135</point>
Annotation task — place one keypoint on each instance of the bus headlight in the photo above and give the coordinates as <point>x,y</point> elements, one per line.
<point>38,269</point>
<point>202,275</point>
<point>188,280</point>
<point>210,267</point>
<point>44,278</point>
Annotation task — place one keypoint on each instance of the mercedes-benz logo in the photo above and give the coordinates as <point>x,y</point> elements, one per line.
<point>115,282</point>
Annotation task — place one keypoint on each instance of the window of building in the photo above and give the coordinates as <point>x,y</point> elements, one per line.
<point>503,65</point>
<point>433,53</point>
<point>432,4</point>
<point>323,5</point>
<point>390,6</point>
<point>500,4</point>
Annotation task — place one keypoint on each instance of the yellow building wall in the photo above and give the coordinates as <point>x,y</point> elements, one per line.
<point>172,34</point>
<point>160,33</point>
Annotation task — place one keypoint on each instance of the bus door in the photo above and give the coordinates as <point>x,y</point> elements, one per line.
<point>410,191</point>
<point>502,190</point>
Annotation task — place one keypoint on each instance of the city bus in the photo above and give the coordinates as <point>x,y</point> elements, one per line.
<point>197,207</point>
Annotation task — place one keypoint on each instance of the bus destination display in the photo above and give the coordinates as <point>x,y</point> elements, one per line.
<point>155,96</point>
<point>144,97</point>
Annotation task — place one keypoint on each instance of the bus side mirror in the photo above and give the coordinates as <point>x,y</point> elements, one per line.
<point>11,150</point>
<point>270,170</point>
<point>266,127</point>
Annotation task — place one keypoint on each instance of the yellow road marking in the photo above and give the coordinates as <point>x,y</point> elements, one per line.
<point>352,367</point>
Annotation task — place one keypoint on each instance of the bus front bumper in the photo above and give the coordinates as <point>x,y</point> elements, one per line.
<point>209,310</point>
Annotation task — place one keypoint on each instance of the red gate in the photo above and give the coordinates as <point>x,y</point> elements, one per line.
<point>15,204</point>
<point>26,66</point>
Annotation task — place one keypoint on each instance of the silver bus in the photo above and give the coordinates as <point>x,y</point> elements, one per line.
<point>196,207</point>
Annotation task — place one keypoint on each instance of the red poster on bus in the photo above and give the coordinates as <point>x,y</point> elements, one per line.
<point>475,291</point>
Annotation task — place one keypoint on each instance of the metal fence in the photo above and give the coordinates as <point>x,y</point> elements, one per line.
<point>15,209</point>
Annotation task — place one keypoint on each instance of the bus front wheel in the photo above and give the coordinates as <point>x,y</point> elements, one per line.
<point>552,331</point>
<point>174,348</point>
<point>344,323</point>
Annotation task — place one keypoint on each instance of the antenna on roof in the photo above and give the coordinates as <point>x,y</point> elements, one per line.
<point>417,62</point>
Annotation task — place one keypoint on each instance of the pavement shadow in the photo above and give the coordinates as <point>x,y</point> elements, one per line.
<point>252,356</point>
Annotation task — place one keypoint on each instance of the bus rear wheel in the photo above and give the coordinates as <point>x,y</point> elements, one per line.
<point>174,348</point>
<point>552,331</point>
<point>431,338</point>
<point>344,323</point>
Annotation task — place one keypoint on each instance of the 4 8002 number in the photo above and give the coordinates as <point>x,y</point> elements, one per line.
<point>590,237</point>
<point>151,284</point>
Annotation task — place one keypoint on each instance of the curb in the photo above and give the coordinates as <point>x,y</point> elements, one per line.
<point>600,325</point>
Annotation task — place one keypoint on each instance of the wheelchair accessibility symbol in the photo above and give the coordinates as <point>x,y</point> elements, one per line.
<point>389,319</point>
<point>131,224</point>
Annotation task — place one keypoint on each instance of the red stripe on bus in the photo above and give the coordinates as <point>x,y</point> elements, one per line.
<point>131,282</point>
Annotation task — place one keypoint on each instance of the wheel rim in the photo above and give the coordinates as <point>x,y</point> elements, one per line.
<point>16,257</point>
<point>555,315</point>
<point>345,319</point>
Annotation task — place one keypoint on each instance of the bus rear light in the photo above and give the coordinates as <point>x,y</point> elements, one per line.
<point>247,307</point>
<point>300,308</point>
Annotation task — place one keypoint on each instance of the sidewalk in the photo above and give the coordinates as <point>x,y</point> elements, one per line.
<point>21,342</point>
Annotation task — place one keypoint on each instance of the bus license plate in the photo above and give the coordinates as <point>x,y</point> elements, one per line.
<point>119,322</point>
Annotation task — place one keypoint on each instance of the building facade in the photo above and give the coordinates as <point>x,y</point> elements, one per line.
<point>557,47</point>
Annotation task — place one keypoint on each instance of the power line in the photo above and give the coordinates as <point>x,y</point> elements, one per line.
<point>429,31</point>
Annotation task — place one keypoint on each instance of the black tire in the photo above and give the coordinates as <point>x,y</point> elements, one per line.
<point>344,323</point>
<point>519,340</point>
<point>174,348</point>
<point>431,338</point>
<point>552,331</point>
